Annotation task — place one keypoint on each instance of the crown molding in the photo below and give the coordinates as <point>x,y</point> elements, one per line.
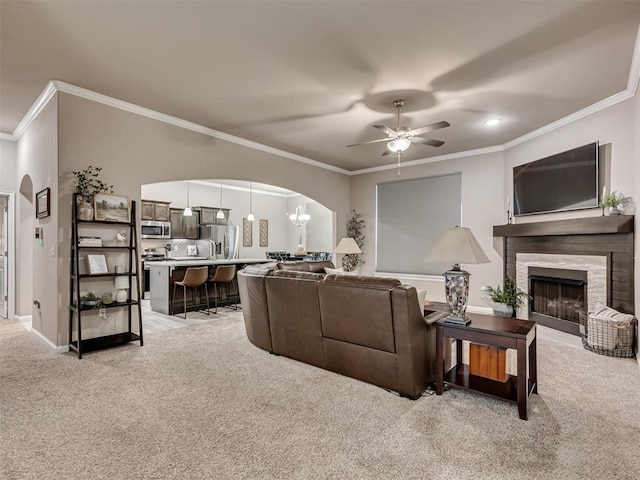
<point>37,107</point>
<point>439,158</point>
<point>634,69</point>
<point>178,122</point>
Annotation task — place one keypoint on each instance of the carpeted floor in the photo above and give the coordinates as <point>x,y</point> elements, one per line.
<point>201,402</point>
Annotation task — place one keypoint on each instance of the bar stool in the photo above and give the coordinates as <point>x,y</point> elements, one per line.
<point>194,278</point>
<point>224,275</point>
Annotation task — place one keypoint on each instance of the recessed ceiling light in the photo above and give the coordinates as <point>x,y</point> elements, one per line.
<point>492,121</point>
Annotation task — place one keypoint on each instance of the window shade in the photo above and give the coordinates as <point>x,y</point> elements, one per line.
<point>410,215</point>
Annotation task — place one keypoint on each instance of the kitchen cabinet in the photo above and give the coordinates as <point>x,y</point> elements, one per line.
<point>209,215</point>
<point>184,227</point>
<point>151,210</point>
<point>80,280</point>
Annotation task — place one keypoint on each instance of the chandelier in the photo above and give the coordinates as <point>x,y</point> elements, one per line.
<point>300,217</point>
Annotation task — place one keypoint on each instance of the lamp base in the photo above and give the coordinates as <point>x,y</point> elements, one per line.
<point>456,288</point>
<point>457,320</point>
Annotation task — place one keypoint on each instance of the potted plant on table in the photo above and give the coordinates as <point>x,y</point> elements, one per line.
<point>88,184</point>
<point>506,300</point>
<point>614,202</point>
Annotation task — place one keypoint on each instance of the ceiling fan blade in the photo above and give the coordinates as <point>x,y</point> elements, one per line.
<point>430,128</point>
<point>427,141</point>
<point>385,129</point>
<point>386,152</point>
<point>372,141</point>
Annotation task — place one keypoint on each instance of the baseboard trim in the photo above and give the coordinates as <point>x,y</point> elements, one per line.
<point>56,348</point>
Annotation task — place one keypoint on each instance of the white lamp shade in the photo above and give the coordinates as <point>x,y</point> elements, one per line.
<point>122,283</point>
<point>456,245</point>
<point>347,245</point>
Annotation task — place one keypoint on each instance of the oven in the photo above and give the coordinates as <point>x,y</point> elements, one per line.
<point>151,229</point>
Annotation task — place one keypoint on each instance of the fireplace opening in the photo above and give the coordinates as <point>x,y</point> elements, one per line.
<point>559,297</point>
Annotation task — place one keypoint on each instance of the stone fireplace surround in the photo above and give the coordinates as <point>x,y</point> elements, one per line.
<point>602,246</point>
<point>594,265</point>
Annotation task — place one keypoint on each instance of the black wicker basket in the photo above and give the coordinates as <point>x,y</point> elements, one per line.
<point>607,337</point>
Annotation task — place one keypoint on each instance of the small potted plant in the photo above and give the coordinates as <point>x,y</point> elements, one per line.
<point>89,300</point>
<point>506,299</point>
<point>614,202</point>
<point>88,184</point>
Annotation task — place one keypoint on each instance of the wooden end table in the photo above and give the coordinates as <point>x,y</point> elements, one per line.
<point>498,332</point>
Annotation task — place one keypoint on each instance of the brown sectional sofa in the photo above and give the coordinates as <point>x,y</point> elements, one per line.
<point>368,328</point>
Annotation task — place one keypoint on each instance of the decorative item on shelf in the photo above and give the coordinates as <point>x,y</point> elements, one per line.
<point>614,201</point>
<point>87,186</point>
<point>355,227</point>
<point>456,245</point>
<point>111,208</point>
<point>121,286</point>
<point>107,298</point>
<point>349,248</point>
<point>89,300</point>
<point>509,211</point>
<point>97,264</point>
<point>506,300</point>
<point>90,241</point>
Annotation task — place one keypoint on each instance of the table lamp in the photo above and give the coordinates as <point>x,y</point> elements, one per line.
<point>347,246</point>
<point>456,245</point>
<point>122,285</point>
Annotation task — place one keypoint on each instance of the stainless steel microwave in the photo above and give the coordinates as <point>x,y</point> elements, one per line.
<point>151,229</point>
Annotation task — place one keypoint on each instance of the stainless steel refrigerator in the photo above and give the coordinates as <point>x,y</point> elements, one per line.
<point>223,241</point>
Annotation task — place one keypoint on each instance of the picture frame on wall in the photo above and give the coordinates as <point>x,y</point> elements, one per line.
<point>264,233</point>
<point>43,203</point>
<point>247,233</point>
<point>97,264</point>
<point>109,207</point>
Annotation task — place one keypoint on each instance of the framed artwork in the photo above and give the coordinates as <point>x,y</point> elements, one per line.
<point>97,264</point>
<point>247,233</point>
<point>43,203</point>
<point>111,208</point>
<point>264,233</point>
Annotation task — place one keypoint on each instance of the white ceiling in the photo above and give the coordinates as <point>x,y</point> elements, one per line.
<point>310,77</point>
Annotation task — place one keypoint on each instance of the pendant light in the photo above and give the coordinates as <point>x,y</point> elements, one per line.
<point>250,217</point>
<point>220,214</point>
<point>187,212</point>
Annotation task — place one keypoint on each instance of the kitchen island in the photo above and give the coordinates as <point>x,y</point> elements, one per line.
<point>164,273</point>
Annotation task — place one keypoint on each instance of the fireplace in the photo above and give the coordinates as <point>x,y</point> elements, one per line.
<point>602,246</point>
<point>558,297</point>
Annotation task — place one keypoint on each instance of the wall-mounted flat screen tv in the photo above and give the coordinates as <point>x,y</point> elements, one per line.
<point>565,181</point>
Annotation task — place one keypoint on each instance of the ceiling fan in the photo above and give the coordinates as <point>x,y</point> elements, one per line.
<point>400,138</point>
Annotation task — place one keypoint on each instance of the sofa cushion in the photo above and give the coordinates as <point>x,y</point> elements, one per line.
<point>294,315</point>
<point>318,266</point>
<point>358,310</point>
<point>299,266</point>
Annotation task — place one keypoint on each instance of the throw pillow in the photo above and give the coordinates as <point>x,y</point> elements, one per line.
<point>422,295</point>
<point>340,271</point>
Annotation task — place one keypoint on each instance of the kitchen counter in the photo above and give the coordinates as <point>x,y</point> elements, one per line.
<point>200,261</point>
<point>164,273</point>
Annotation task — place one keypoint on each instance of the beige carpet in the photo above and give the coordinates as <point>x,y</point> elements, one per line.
<point>202,402</point>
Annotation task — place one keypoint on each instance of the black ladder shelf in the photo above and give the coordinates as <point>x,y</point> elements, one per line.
<point>131,305</point>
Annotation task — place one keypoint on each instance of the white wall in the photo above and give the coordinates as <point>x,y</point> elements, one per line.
<point>37,168</point>
<point>8,159</point>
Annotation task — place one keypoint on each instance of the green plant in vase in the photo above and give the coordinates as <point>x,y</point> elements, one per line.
<point>506,299</point>
<point>355,227</point>
<point>89,300</point>
<point>614,202</point>
<point>88,184</point>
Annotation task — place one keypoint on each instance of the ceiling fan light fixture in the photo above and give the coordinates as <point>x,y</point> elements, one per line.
<point>399,144</point>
